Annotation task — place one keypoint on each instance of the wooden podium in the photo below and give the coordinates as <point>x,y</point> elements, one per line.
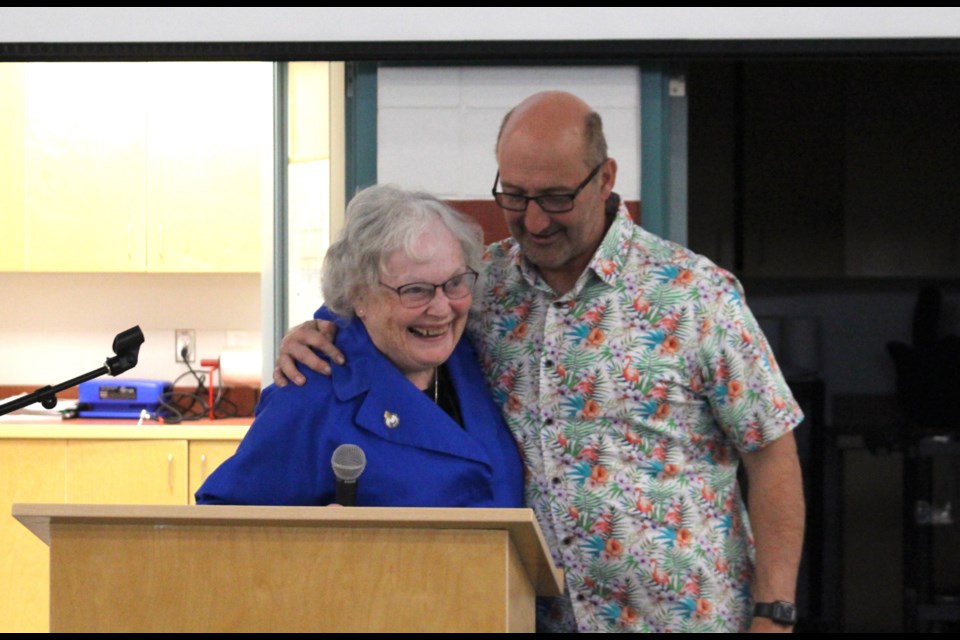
<point>291,569</point>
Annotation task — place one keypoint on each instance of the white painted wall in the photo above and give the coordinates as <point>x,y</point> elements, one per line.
<point>57,326</point>
<point>437,126</point>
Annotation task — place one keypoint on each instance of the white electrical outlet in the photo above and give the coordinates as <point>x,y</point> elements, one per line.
<point>185,339</point>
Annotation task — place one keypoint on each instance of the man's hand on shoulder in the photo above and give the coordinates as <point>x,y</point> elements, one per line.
<point>297,346</point>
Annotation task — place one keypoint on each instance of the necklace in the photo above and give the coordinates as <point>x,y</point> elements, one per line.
<point>436,385</point>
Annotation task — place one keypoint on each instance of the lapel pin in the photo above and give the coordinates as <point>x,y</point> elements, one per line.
<point>392,420</point>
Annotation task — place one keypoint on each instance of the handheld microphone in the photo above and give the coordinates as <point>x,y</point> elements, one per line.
<point>348,462</point>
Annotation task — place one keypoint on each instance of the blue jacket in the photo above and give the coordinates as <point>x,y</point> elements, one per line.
<point>426,460</point>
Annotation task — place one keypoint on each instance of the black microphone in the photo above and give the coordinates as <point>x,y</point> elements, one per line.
<point>348,462</point>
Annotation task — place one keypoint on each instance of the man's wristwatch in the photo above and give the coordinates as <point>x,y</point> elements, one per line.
<point>781,612</point>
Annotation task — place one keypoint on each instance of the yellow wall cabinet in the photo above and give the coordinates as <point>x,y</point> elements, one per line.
<point>205,456</point>
<point>30,471</point>
<point>88,471</point>
<point>133,167</point>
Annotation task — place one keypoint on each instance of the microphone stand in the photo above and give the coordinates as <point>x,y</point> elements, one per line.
<point>127,347</point>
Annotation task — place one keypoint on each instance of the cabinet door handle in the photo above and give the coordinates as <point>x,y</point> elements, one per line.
<point>170,471</point>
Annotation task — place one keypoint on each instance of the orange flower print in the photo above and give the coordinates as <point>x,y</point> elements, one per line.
<point>593,316</point>
<point>673,517</point>
<point>599,474</point>
<point>696,382</point>
<point>734,389</point>
<point>779,403</point>
<point>671,469</point>
<point>671,344</point>
<point>705,326</point>
<point>644,504</point>
<point>574,513</point>
<point>630,373</point>
<point>614,548</point>
<point>562,440</point>
<point>561,371</point>
<point>631,437</point>
<point>684,537</point>
<point>704,607</point>
<point>601,527</point>
<point>591,409</point>
<point>659,391</point>
<point>660,577</point>
<point>708,493</point>
<point>522,310</point>
<point>721,565</point>
<point>513,403</point>
<point>669,323</point>
<point>684,278</point>
<point>519,332</point>
<point>629,616</point>
<point>596,337</point>
<point>745,336</point>
<point>662,411</point>
<point>586,384</point>
<point>641,304</point>
<point>607,267</point>
<point>692,587</point>
<point>722,371</point>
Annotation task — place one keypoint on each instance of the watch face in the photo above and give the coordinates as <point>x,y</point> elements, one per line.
<point>784,613</point>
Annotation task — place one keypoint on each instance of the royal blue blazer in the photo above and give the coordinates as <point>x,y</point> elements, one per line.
<point>425,459</point>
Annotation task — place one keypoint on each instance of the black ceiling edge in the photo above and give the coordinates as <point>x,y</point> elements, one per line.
<point>486,51</point>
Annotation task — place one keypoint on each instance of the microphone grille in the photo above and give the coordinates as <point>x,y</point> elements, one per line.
<point>348,462</point>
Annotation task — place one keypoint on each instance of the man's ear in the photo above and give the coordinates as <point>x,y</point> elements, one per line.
<point>608,177</point>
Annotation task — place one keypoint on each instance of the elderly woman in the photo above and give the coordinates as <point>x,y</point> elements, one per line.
<point>399,282</point>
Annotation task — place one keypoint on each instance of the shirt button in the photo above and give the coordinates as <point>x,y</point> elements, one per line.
<point>548,421</point>
<point>556,481</point>
<point>568,540</point>
<point>549,364</point>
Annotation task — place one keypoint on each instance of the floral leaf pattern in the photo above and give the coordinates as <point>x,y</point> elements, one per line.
<point>631,398</point>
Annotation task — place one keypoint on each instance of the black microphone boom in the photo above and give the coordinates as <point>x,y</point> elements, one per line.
<point>127,347</point>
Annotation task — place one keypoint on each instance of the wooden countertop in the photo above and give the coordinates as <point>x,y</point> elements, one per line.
<point>19,427</point>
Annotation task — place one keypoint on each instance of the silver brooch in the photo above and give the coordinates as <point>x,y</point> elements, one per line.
<point>392,420</point>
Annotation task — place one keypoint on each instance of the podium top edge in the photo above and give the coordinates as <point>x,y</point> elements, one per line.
<point>520,524</point>
<point>273,514</point>
<point>276,515</point>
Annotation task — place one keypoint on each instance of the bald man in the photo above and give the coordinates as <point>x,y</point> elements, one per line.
<point>635,380</point>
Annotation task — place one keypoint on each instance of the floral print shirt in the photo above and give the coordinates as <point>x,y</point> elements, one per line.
<point>631,397</point>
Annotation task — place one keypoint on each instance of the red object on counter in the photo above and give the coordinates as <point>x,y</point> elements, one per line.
<point>213,365</point>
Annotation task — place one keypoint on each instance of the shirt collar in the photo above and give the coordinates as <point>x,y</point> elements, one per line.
<point>606,265</point>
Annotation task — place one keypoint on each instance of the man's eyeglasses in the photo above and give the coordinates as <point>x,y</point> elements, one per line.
<point>418,294</point>
<point>551,202</point>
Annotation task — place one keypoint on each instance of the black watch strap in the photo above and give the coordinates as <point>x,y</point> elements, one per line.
<point>781,612</point>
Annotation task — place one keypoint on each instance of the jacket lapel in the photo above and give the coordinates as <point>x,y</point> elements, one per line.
<point>393,409</point>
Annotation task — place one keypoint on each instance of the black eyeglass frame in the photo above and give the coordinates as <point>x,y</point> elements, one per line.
<point>443,285</point>
<point>543,197</point>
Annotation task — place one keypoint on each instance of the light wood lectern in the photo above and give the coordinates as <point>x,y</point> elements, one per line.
<point>291,569</point>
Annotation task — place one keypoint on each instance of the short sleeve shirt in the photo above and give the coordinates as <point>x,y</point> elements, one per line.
<point>632,397</point>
